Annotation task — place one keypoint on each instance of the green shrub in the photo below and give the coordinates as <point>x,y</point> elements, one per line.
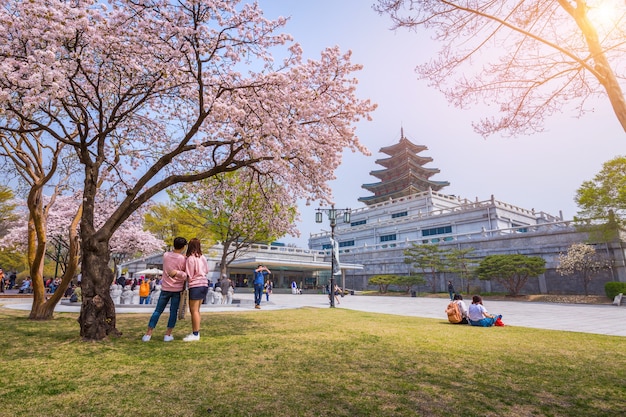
<point>613,288</point>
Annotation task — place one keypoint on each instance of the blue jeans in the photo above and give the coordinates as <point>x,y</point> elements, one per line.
<point>164,298</point>
<point>484,322</point>
<point>258,293</point>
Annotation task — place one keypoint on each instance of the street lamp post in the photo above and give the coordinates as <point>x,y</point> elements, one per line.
<point>58,257</point>
<point>332,214</point>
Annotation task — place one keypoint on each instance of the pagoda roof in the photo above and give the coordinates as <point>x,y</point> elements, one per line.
<point>403,173</point>
<point>404,183</point>
<point>402,145</point>
<point>375,199</point>
<point>403,168</point>
<point>402,157</point>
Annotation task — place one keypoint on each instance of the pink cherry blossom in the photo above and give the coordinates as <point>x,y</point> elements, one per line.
<point>156,93</point>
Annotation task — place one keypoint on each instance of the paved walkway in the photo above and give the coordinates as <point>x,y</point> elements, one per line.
<point>599,319</point>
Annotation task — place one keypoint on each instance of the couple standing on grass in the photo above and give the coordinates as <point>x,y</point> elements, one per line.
<point>178,269</point>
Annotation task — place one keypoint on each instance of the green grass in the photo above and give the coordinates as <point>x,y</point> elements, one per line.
<point>308,362</point>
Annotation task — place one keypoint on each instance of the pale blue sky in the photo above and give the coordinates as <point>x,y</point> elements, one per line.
<point>541,171</point>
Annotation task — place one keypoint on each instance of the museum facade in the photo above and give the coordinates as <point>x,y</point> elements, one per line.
<point>408,208</point>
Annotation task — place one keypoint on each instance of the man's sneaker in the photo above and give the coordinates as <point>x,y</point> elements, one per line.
<point>191,338</point>
<point>257,306</point>
<point>168,338</point>
<point>146,338</point>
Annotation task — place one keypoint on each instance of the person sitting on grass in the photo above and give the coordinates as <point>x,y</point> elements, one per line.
<point>458,299</point>
<point>478,315</point>
<point>77,295</point>
<point>25,288</point>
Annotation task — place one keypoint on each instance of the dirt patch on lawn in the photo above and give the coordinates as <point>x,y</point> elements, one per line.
<point>571,299</point>
<point>552,298</point>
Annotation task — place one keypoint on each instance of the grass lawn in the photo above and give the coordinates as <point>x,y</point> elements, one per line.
<point>308,362</point>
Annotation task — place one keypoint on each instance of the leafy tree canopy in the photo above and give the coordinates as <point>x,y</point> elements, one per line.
<point>460,262</point>
<point>238,209</point>
<point>429,258</point>
<point>172,219</point>
<point>602,200</point>
<point>7,207</point>
<point>512,271</point>
<point>406,281</point>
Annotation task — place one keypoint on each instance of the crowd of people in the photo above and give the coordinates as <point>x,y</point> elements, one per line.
<point>50,285</point>
<point>7,282</point>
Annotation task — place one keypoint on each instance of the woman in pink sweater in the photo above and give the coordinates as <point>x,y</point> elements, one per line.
<point>172,282</point>
<point>197,269</point>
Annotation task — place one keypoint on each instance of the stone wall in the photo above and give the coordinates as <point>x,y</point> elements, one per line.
<point>548,244</point>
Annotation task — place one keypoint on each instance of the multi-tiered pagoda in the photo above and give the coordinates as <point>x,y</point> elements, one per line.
<point>404,173</point>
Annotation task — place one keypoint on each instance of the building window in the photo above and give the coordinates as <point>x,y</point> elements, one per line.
<point>327,246</point>
<point>401,214</point>
<point>437,231</point>
<point>387,238</point>
<point>520,228</point>
<point>358,223</point>
<point>346,243</point>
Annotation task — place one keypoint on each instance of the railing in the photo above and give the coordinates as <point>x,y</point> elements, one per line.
<point>465,237</point>
<point>464,205</point>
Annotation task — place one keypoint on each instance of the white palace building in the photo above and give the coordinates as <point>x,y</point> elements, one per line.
<point>407,208</point>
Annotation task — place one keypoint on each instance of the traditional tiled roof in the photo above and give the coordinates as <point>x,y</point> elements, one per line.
<point>403,173</point>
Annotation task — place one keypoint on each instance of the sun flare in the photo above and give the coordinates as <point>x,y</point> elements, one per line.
<point>607,14</point>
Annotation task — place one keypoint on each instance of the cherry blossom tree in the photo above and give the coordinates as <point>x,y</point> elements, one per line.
<point>61,217</point>
<point>581,259</point>
<point>130,239</point>
<point>530,58</point>
<point>41,165</point>
<point>155,93</point>
<point>239,208</point>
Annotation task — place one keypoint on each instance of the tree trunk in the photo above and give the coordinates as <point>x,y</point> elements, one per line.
<point>43,309</point>
<point>603,70</point>
<point>97,315</point>
<point>37,241</point>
